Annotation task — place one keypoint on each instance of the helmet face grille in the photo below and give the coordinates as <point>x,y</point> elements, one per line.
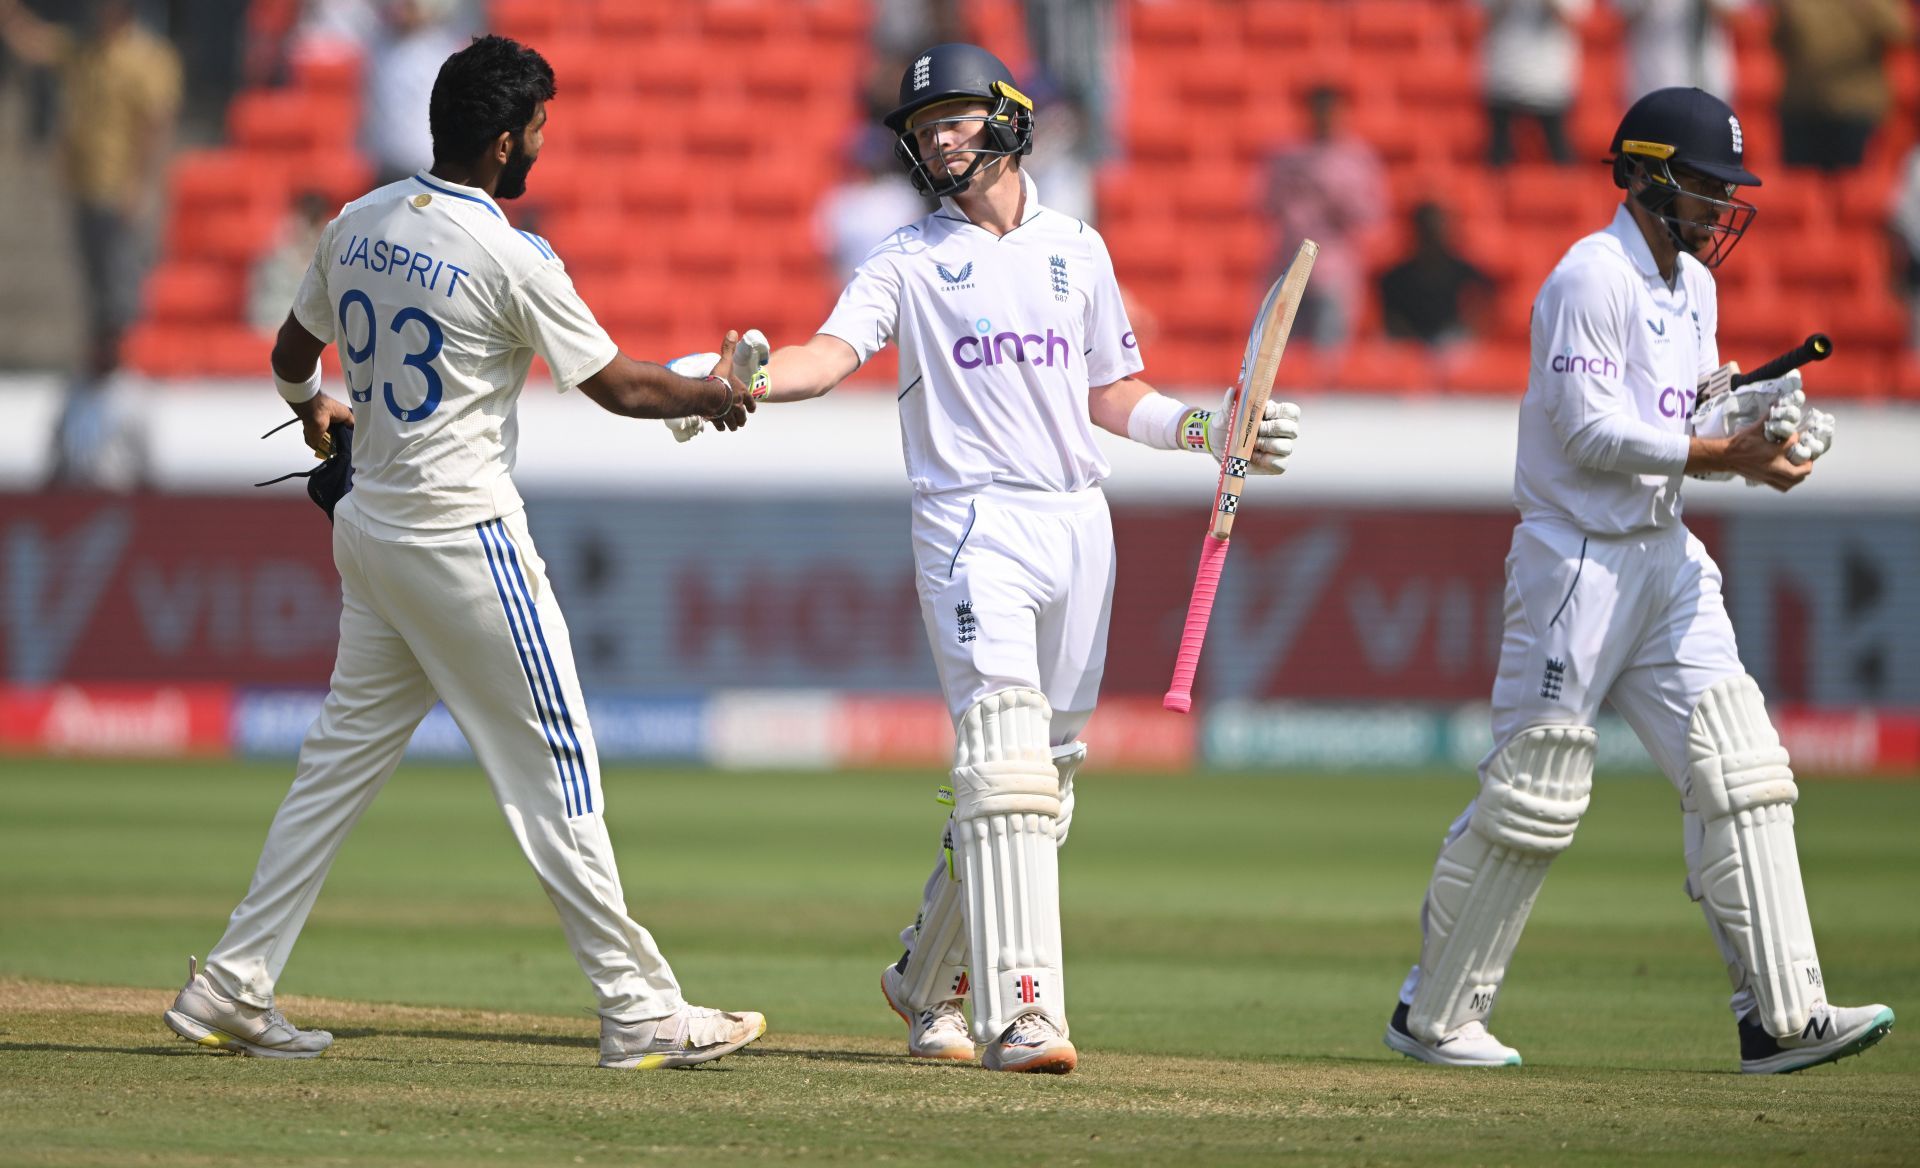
<point>952,72</point>
<point>1727,221</point>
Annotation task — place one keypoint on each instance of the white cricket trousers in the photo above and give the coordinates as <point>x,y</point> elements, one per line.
<point>1635,621</point>
<point>464,616</point>
<point>1016,589</point>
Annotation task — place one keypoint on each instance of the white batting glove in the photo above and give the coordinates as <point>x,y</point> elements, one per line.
<point>1279,428</point>
<point>691,365</point>
<point>1814,438</point>
<point>1779,401</point>
<point>750,362</point>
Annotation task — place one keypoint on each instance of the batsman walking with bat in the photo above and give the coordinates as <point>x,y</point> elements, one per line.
<point>1014,345</point>
<point>1610,599</point>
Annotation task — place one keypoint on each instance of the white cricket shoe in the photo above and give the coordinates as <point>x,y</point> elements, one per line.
<point>695,1034</point>
<point>1469,1045</point>
<point>1831,1034</point>
<point>1033,1044</point>
<point>937,1033</point>
<point>205,1017</point>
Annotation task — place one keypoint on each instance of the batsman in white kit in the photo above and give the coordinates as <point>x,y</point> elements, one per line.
<point>1610,598</point>
<point>438,306</point>
<point>1014,344</point>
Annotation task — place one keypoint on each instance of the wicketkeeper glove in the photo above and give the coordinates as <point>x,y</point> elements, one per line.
<point>333,478</point>
<point>749,364</point>
<point>1279,427</point>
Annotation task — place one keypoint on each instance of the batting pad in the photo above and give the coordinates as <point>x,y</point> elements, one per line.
<point>1532,796</point>
<point>1745,869</point>
<point>937,962</point>
<point>1067,760</point>
<point>1006,805</point>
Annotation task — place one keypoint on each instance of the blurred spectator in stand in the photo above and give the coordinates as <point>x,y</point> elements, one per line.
<point>1062,161</point>
<point>902,28</point>
<point>99,443</point>
<point>403,57</point>
<point>276,275</point>
<point>1678,42</point>
<point>1072,43</point>
<point>1835,91</point>
<point>1435,294</point>
<point>40,85</point>
<point>1531,68</point>
<point>120,98</point>
<point>1331,189</point>
<point>872,202</point>
<point>1904,227</point>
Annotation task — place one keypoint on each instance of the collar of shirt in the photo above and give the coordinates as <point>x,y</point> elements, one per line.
<point>1626,229</point>
<point>454,189</point>
<point>1028,209</point>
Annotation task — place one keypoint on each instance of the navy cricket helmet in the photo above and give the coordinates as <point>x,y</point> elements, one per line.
<point>953,72</point>
<point>1674,133</point>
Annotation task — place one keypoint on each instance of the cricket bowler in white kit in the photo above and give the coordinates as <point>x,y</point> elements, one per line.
<point>1014,344</point>
<point>438,307</point>
<point>1610,598</point>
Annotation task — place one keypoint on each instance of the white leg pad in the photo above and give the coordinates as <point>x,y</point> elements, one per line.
<point>1745,870</point>
<point>1006,802</point>
<point>937,955</point>
<point>1532,795</point>
<point>1067,760</point>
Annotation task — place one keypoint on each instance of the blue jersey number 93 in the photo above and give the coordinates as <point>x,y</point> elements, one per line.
<point>421,358</point>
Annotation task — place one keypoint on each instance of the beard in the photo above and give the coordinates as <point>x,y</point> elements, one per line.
<point>513,176</point>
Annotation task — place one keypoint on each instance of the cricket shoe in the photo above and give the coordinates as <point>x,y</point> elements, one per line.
<point>1831,1034</point>
<point>693,1034</point>
<point>1467,1045</point>
<point>1034,1045</point>
<point>937,1033</point>
<point>204,1016</point>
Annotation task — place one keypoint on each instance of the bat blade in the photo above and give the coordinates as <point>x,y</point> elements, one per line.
<point>1259,365</point>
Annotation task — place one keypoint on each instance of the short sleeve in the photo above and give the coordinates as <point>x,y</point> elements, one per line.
<point>312,305</point>
<point>548,316</point>
<point>1579,347</point>
<point>1112,350</point>
<point>868,312</point>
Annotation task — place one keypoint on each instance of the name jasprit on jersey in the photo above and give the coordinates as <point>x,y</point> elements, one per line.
<point>401,261</point>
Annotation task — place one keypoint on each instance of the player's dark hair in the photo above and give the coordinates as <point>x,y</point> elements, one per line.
<point>485,90</point>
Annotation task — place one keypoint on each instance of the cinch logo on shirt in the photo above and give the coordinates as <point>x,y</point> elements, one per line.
<point>999,348</point>
<point>1571,362</point>
<point>1676,403</point>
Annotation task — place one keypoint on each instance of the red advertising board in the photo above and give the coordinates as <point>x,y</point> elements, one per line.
<point>140,721</point>
<point>104,588</point>
<point>1330,605</point>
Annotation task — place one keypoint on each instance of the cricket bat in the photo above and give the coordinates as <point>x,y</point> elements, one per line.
<point>1258,368</point>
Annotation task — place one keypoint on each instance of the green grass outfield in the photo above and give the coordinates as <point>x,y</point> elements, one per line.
<point>1234,945</point>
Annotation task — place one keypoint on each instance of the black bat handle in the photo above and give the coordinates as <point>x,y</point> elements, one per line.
<point>1815,348</point>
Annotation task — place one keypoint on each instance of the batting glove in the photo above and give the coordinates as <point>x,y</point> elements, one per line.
<point>750,362</point>
<point>691,365</point>
<point>1279,427</point>
<point>1814,438</point>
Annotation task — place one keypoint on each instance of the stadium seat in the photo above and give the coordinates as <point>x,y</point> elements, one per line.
<point>195,293</point>
<point>1493,367</point>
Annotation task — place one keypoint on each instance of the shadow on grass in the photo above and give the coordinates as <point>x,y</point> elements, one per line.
<point>70,1048</point>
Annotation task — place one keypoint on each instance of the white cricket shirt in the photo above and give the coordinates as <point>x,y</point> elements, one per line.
<point>1613,345</point>
<point>1000,339</point>
<point>438,305</point>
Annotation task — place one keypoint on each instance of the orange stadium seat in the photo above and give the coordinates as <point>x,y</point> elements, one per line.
<point>660,190</point>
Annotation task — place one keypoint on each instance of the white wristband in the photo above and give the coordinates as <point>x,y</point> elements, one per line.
<point>296,392</point>
<point>1161,422</point>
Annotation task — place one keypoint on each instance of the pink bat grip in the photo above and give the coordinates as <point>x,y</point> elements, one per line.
<point>1213,556</point>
